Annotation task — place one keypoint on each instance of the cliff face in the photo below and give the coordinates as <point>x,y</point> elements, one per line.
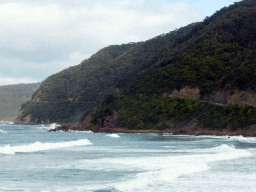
<point>184,93</point>
<point>235,97</point>
<point>28,120</point>
<point>224,97</point>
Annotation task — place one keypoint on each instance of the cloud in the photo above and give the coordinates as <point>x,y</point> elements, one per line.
<point>14,80</point>
<point>41,38</point>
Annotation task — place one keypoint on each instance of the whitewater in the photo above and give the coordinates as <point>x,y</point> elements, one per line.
<point>33,159</point>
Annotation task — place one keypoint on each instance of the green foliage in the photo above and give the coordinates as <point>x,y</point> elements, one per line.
<point>138,112</point>
<point>62,110</point>
<point>218,53</point>
<point>157,47</point>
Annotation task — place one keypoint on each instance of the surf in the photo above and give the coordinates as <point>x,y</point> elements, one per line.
<point>38,146</point>
<point>2,131</point>
<point>113,135</point>
<point>165,169</point>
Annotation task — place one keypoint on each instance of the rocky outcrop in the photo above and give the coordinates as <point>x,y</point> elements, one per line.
<point>28,120</point>
<point>234,97</point>
<point>185,93</point>
<point>224,97</point>
<point>110,121</point>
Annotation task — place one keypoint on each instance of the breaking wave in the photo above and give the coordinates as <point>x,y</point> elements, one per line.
<point>37,146</point>
<point>113,135</point>
<point>244,139</point>
<point>53,126</point>
<point>169,168</point>
<point>2,131</point>
<point>89,131</point>
<point>49,127</point>
<point>7,122</point>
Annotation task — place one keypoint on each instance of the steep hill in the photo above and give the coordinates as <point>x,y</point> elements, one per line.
<point>67,95</point>
<point>218,61</point>
<point>11,98</point>
<point>206,78</point>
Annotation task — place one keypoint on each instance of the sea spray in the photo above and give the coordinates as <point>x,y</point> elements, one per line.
<point>89,131</point>
<point>49,127</point>
<point>2,131</point>
<point>244,139</point>
<point>37,146</point>
<point>53,126</point>
<point>113,135</point>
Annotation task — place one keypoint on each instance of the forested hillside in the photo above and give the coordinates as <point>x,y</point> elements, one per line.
<point>207,77</point>
<point>11,98</point>
<point>67,95</point>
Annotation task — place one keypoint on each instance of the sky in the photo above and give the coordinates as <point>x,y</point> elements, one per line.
<point>41,38</point>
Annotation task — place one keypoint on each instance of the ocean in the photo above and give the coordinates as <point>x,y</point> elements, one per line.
<point>33,159</point>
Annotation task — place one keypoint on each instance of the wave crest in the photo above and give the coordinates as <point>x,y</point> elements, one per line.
<point>113,135</point>
<point>37,146</point>
<point>2,131</point>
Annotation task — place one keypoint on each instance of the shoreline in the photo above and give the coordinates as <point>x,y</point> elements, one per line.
<point>195,131</point>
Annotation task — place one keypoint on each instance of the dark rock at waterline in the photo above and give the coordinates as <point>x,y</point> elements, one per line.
<point>182,130</point>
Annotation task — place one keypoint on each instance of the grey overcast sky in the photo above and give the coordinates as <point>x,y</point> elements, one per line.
<point>40,38</point>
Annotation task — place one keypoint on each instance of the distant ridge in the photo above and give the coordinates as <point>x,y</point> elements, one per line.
<point>12,97</point>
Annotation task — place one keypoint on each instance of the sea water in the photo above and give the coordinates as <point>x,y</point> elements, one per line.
<point>33,159</point>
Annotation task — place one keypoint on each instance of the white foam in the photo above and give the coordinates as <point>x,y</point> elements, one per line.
<point>2,131</point>
<point>54,126</point>
<point>89,131</point>
<point>37,146</point>
<point>151,180</point>
<point>61,131</point>
<point>215,150</point>
<point>154,173</point>
<point>7,122</point>
<point>113,135</point>
<point>49,127</point>
<point>165,169</point>
<point>244,139</point>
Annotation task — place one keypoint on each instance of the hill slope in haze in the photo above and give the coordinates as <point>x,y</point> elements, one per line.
<point>67,95</point>
<point>12,97</point>
<point>207,78</point>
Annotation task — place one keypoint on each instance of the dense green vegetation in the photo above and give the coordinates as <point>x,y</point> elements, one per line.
<point>217,54</point>
<point>78,88</point>
<point>11,98</point>
<point>209,65</point>
<point>139,112</point>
